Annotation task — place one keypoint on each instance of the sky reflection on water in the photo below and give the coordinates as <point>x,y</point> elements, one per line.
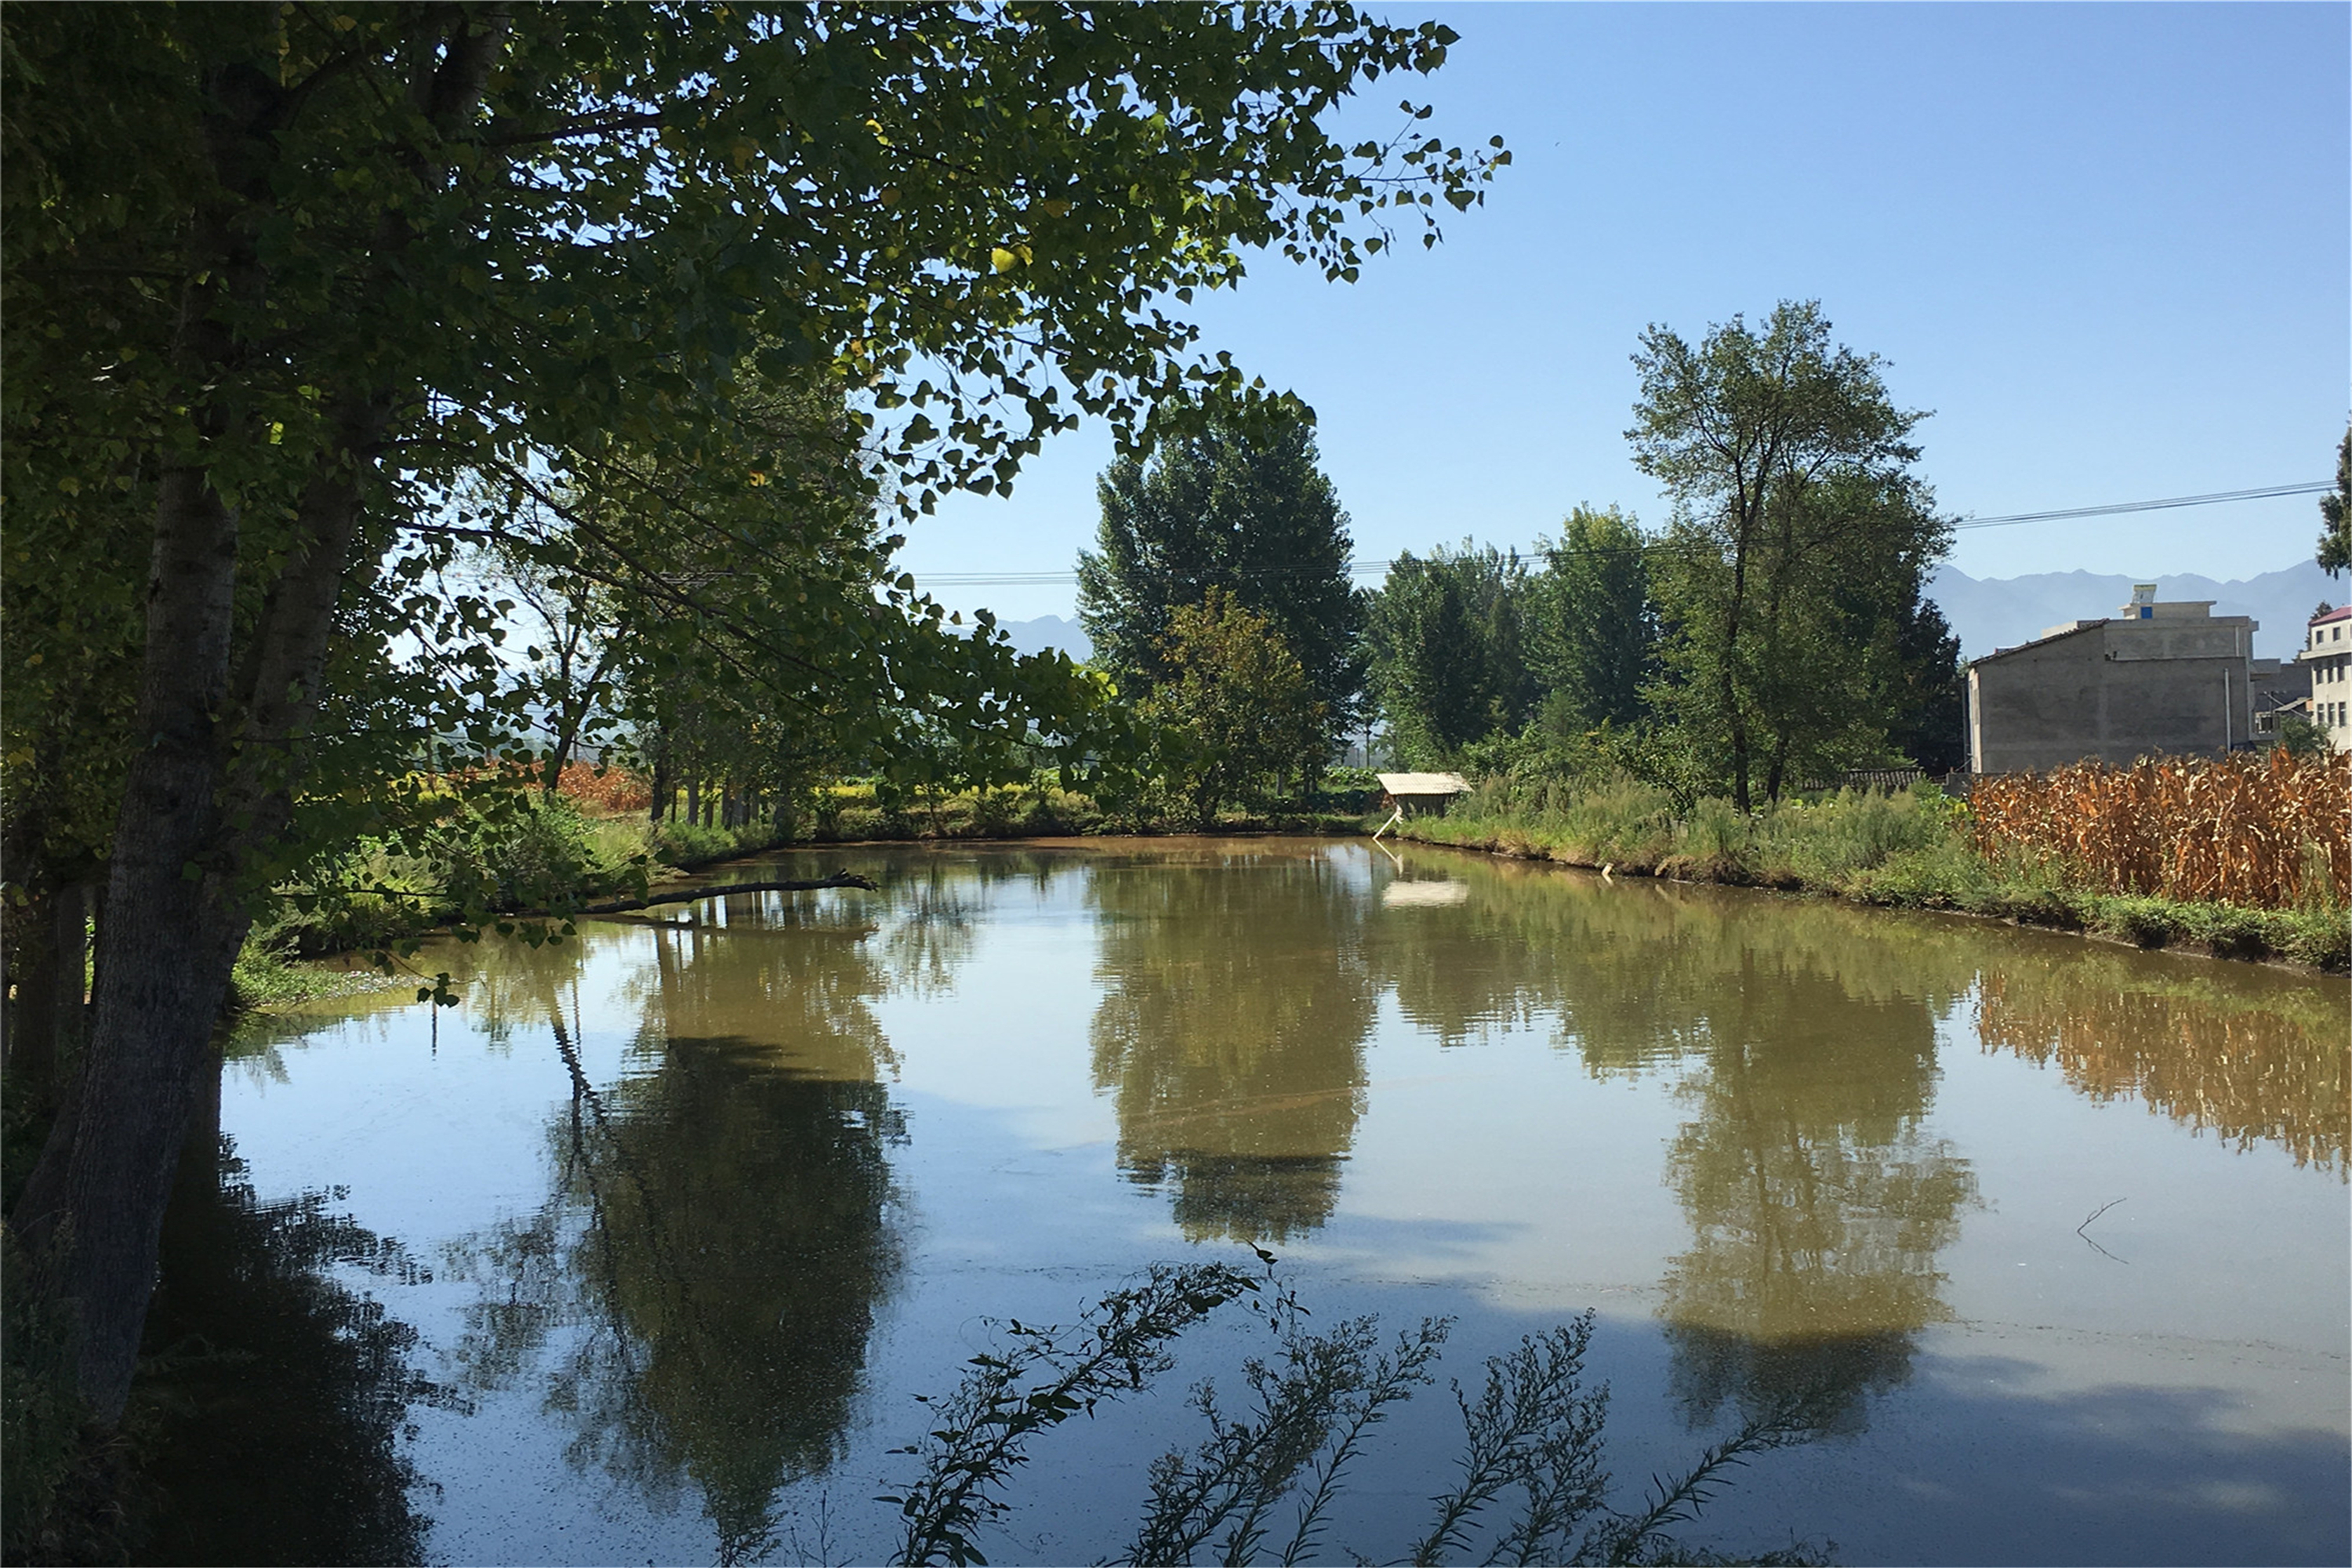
<point>709,1197</point>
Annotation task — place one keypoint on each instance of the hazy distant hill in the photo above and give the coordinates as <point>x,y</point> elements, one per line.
<point>1047,631</point>
<point>2002,612</point>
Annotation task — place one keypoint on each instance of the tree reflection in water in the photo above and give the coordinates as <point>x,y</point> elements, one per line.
<point>1817,1201</point>
<point>1805,1035</point>
<point>275,1400</point>
<point>1231,1031</point>
<point>719,1232</point>
<point>2254,1058</point>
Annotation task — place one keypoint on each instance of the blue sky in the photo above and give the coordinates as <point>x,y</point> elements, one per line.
<point>2109,245</point>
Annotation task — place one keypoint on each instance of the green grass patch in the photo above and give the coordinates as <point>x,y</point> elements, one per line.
<point>1910,849</point>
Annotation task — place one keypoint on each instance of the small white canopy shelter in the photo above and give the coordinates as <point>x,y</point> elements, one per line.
<point>1413,794</point>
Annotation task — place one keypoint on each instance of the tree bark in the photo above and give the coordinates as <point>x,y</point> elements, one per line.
<point>1732,712</point>
<point>93,1209</point>
<point>176,906</point>
<point>29,1052</point>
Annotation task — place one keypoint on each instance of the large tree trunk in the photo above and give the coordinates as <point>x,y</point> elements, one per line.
<point>1732,708</point>
<point>48,1019</point>
<point>176,906</point>
<point>93,1208</point>
<point>1776,772</point>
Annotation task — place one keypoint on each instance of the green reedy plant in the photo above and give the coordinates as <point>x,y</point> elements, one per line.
<point>1910,849</point>
<point>1533,1438</point>
<point>1038,1383</point>
<point>1534,1429</point>
<point>1642,1537</point>
<point>1312,1413</point>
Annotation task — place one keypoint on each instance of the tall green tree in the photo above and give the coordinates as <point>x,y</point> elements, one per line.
<point>1241,506</point>
<point>1788,462</point>
<point>1924,689</point>
<point>2335,550</point>
<point>1449,650</point>
<point>1842,657</point>
<point>287,282</point>
<point>1233,711</point>
<point>1592,633</point>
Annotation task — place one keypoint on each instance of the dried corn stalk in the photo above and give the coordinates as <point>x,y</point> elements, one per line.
<point>2272,831</point>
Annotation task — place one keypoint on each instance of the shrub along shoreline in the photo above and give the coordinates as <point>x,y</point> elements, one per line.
<point>1910,849</point>
<point>557,855</point>
<point>1914,848</point>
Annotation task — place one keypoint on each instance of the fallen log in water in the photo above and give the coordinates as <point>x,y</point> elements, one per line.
<point>724,891</point>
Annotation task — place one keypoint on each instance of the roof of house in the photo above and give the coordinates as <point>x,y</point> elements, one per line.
<point>2054,635</point>
<point>1424,783</point>
<point>2339,613</point>
<point>2059,633</point>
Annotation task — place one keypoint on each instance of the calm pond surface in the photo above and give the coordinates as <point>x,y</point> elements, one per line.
<point>644,1251</point>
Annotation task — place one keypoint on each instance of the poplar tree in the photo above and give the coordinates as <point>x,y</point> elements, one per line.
<point>1239,507</point>
<point>1797,525</point>
<point>1592,632</point>
<point>1450,660</point>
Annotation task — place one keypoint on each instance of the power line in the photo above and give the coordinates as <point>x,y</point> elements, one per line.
<point>1365,568</point>
<point>2217,497</point>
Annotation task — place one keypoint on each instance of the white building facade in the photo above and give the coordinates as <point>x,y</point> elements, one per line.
<point>2327,655</point>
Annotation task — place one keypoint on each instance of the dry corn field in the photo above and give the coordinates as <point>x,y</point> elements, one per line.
<point>2272,831</point>
<point>608,792</point>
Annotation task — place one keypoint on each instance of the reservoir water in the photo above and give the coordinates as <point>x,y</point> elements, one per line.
<point>644,1251</point>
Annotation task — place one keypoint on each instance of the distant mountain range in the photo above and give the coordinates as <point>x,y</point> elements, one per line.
<point>1991,613</point>
<point>1047,631</point>
<point>2002,612</point>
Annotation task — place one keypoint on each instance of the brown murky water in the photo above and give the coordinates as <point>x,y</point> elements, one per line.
<point>668,1226</point>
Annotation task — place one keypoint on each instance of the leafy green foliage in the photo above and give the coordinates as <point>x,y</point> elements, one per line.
<point>1797,543</point>
<point>1921,689</point>
<point>2299,737</point>
<point>1593,631</point>
<point>1234,709</point>
<point>1239,506</point>
<point>297,304</point>
<point>578,323</point>
<point>2335,552</point>
<point>1449,650</point>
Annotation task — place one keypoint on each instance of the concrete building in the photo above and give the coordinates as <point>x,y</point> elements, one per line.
<point>2281,686</point>
<point>2327,660</point>
<point>2154,678</point>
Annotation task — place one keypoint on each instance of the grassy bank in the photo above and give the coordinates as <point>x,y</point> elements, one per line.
<point>851,813</point>
<point>377,896</point>
<point>558,853</point>
<point>1910,849</point>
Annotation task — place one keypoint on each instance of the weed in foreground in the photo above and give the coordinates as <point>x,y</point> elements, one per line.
<point>1530,1485</point>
